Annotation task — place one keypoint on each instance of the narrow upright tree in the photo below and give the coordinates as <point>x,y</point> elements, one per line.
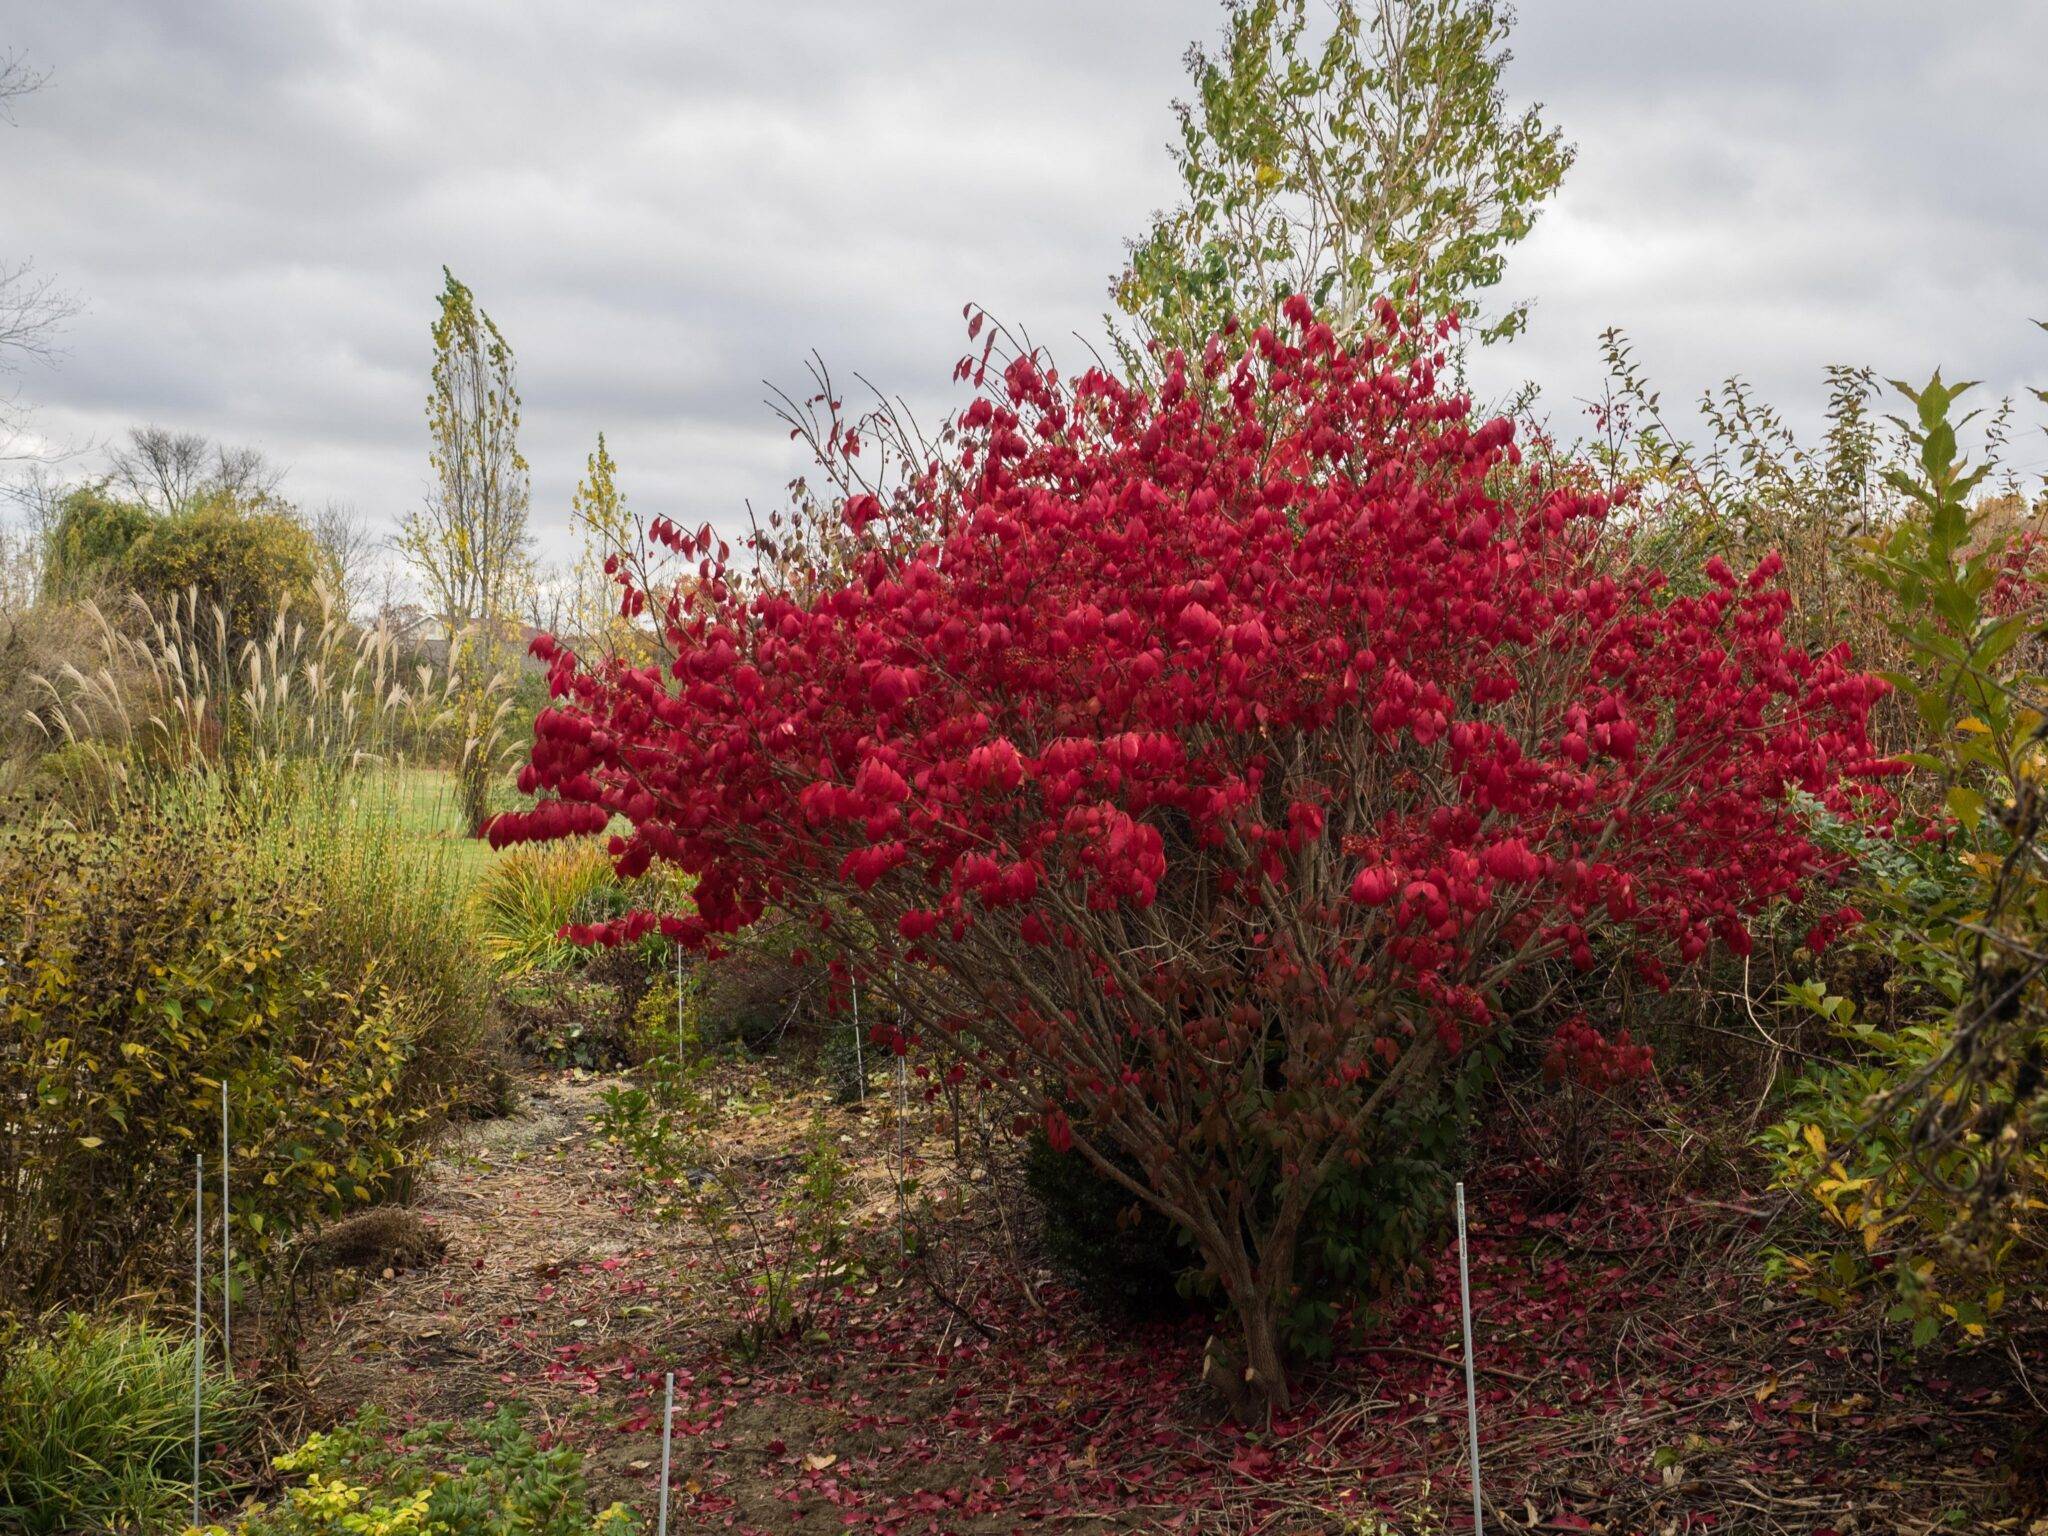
<point>469,542</point>
<point>598,510</point>
<point>1377,161</point>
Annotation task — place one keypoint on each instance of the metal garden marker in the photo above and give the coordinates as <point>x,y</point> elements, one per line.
<point>1471,1392</point>
<point>198,1312</point>
<point>682,1052</point>
<point>668,1419</point>
<point>902,1156</point>
<point>860,1066</point>
<point>227,1322</point>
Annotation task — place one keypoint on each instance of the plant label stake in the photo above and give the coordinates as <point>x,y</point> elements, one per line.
<point>860,1066</point>
<point>198,1313</point>
<point>668,1419</point>
<point>902,1156</point>
<point>1471,1392</point>
<point>682,1052</point>
<point>227,1322</point>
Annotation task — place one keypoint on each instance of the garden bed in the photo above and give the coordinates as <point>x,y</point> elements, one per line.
<point>1637,1373</point>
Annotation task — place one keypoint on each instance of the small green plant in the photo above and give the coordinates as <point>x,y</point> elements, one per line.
<point>780,1256</point>
<point>363,1479</point>
<point>96,1428</point>
<point>1125,1256</point>
<point>663,1019</point>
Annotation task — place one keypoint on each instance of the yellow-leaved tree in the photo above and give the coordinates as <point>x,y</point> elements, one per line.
<point>468,543</point>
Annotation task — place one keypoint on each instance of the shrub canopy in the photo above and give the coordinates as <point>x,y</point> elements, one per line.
<point>249,560</point>
<point>1200,768</point>
<point>90,539</point>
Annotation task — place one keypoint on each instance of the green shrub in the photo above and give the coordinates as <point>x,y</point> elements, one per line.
<point>96,1429</point>
<point>1124,1255</point>
<point>1923,1143</point>
<point>89,541</point>
<point>1371,1219</point>
<point>760,987</point>
<point>249,559</point>
<point>302,959</point>
<point>489,1476</point>
<point>661,1025</point>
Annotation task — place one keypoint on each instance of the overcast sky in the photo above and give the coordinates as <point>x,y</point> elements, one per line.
<point>662,203</point>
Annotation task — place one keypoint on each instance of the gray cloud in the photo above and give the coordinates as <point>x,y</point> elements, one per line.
<point>663,204</point>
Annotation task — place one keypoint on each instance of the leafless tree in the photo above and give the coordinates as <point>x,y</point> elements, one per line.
<point>33,308</point>
<point>18,77</point>
<point>170,471</point>
<point>40,495</point>
<point>548,601</point>
<point>348,548</point>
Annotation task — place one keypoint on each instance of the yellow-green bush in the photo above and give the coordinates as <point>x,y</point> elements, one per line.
<point>250,557</point>
<point>1924,1140</point>
<point>189,942</point>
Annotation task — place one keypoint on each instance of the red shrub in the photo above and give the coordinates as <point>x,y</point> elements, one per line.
<point>1211,760</point>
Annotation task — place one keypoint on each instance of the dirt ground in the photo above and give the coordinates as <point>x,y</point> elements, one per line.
<point>1637,1373</point>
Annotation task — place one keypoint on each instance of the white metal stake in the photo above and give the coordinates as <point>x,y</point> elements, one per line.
<point>902,1157</point>
<point>1471,1392</point>
<point>227,1321</point>
<point>860,1065</point>
<point>682,1053</point>
<point>198,1313</point>
<point>668,1419</point>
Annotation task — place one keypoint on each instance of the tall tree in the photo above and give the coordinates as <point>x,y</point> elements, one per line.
<point>1379,160</point>
<point>598,510</point>
<point>469,542</point>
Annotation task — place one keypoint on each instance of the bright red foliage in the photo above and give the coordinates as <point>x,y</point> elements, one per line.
<point>1205,764</point>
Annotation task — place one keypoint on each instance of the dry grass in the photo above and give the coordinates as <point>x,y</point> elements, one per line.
<point>162,692</point>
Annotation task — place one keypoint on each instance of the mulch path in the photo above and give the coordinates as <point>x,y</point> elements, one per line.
<point>1639,1374</point>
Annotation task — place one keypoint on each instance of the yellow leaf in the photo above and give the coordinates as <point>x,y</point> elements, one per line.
<point>1815,1139</point>
<point>89,1142</point>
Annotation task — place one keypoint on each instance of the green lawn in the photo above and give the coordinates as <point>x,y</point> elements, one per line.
<point>424,803</point>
